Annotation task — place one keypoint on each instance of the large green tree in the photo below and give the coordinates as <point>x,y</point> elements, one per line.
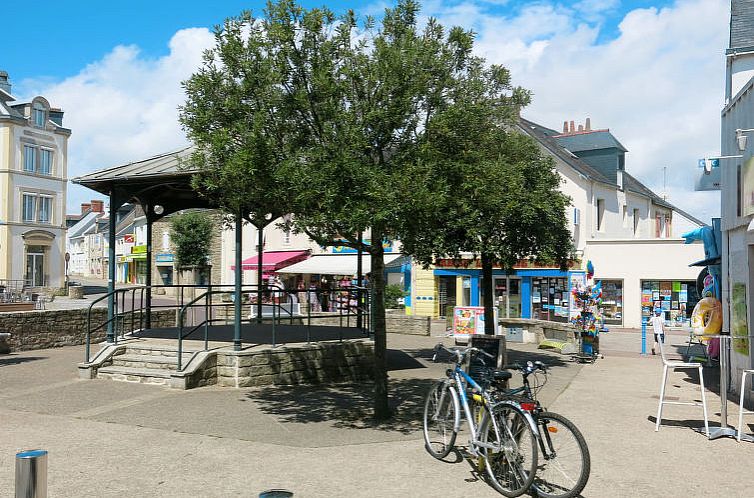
<point>237,116</point>
<point>493,193</point>
<point>364,93</point>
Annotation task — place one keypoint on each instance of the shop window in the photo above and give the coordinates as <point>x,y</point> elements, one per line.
<point>550,299</point>
<point>676,299</point>
<point>612,301</point>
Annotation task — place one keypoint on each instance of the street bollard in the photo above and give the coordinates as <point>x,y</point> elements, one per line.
<point>644,336</point>
<point>276,493</point>
<point>31,474</point>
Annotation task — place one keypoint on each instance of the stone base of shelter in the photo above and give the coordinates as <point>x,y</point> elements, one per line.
<point>136,360</point>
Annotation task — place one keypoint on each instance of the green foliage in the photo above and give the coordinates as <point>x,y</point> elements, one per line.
<point>192,234</point>
<point>393,292</point>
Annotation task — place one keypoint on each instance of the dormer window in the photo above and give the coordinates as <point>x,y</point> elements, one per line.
<point>39,112</point>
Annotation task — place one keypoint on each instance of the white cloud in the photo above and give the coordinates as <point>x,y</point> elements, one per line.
<point>658,85</point>
<point>125,106</point>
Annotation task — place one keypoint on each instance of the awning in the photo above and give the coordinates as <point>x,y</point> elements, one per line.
<point>273,260</point>
<point>334,264</point>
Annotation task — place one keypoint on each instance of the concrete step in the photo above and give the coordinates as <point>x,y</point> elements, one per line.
<point>148,361</point>
<point>130,374</point>
<point>158,351</point>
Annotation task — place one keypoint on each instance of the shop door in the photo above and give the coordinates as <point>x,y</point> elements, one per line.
<point>447,295</point>
<point>35,269</point>
<point>508,297</point>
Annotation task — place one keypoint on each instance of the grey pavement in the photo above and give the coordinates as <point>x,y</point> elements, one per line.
<point>109,438</point>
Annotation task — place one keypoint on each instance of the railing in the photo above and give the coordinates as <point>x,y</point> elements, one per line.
<point>130,313</point>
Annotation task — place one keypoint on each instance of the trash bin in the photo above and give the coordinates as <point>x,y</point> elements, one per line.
<point>276,493</point>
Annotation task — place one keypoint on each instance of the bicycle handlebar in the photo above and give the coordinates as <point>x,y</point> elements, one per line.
<point>529,368</point>
<point>459,353</point>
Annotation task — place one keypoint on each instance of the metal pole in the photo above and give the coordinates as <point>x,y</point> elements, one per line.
<point>149,269</point>
<point>359,275</point>
<point>260,257</point>
<point>111,272</point>
<point>724,361</point>
<point>238,275</point>
<point>31,474</point>
<point>644,336</point>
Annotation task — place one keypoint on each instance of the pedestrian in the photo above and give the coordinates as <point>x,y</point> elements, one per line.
<point>658,324</point>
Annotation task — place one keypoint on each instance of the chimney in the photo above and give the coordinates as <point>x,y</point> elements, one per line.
<point>565,127</point>
<point>85,208</point>
<point>573,128</point>
<point>98,206</point>
<point>588,124</point>
<point>4,82</point>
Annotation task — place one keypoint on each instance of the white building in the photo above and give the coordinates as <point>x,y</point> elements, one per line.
<point>737,186</point>
<point>33,175</point>
<point>626,230</point>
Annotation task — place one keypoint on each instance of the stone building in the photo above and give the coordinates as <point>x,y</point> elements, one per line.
<point>33,163</point>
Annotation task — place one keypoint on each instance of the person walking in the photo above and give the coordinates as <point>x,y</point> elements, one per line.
<point>658,324</point>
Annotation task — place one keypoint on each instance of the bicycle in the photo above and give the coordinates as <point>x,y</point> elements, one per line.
<point>564,461</point>
<point>504,437</point>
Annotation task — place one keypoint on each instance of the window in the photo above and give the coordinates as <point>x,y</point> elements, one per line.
<point>600,214</point>
<point>636,222</point>
<point>38,115</point>
<point>36,208</point>
<point>30,158</point>
<point>45,209</point>
<point>45,161</point>
<point>662,226</point>
<point>625,215</point>
<point>38,160</point>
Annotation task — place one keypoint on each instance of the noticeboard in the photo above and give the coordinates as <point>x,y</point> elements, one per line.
<point>491,344</point>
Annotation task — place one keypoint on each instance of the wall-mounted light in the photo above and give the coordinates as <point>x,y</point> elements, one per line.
<point>741,138</point>
<point>158,210</point>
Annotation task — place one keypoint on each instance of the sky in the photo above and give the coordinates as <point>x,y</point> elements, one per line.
<point>650,71</point>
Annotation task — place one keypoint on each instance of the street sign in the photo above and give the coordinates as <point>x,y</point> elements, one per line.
<point>707,176</point>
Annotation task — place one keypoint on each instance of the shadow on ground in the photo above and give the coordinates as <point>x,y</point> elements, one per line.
<point>17,360</point>
<point>346,406</point>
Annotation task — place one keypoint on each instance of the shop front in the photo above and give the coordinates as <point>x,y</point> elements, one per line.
<point>676,299</point>
<point>526,292</point>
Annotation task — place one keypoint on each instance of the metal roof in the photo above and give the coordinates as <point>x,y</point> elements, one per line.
<point>163,180</point>
<point>545,137</point>
<point>589,140</point>
<point>166,164</point>
<point>741,24</point>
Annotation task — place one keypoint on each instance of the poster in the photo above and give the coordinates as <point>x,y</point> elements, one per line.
<point>676,286</point>
<point>683,296</point>
<point>738,321</point>
<point>747,194</point>
<point>674,305</point>
<point>536,297</point>
<point>665,305</point>
<point>469,320</point>
<point>655,295</point>
<point>646,298</point>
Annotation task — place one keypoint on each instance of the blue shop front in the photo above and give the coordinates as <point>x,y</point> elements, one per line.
<point>527,292</point>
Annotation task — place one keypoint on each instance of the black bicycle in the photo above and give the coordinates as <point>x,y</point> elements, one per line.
<point>564,461</point>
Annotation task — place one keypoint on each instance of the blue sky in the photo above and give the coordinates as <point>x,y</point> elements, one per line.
<point>83,31</point>
<point>650,71</point>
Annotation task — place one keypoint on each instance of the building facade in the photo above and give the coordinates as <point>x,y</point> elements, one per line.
<point>619,224</point>
<point>737,186</point>
<point>33,176</point>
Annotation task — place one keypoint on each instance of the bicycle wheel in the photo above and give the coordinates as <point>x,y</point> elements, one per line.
<point>441,412</point>
<point>511,468</point>
<point>564,461</point>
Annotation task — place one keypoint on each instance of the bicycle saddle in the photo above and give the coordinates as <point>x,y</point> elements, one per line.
<point>501,375</point>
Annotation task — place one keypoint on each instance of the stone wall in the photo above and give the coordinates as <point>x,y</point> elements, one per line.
<point>345,361</point>
<point>536,331</point>
<point>41,329</point>
<point>395,323</point>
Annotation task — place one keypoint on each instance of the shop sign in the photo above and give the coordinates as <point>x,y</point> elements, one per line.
<point>139,250</point>
<point>122,259</point>
<point>164,258</point>
<point>522,264</point>
<point>128,239</point>
<point>387,246</point>
<point>469,320</point>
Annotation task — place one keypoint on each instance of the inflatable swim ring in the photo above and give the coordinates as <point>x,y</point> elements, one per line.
<point>707,317</point>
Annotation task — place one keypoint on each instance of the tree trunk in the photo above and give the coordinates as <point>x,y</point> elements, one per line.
<point>381,408</point>
<point>489,310</point>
